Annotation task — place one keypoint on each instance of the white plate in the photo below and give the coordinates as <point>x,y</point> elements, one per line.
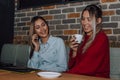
<point>49,74</point>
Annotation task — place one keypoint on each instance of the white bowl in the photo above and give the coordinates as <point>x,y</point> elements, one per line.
<point>49,74</point>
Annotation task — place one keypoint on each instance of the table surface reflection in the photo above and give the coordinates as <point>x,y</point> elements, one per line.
<point>10,75</point>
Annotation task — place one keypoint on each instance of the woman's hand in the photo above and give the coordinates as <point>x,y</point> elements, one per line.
<point>73,45</point>
<point>35,42</point>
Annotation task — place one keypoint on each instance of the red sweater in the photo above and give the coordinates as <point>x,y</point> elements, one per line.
<point>94,61</point>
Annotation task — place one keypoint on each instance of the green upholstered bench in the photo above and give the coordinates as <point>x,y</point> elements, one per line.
<point>115,63</point>
<point>16,54</point>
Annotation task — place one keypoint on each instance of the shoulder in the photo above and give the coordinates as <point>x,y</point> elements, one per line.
<point>58,39</point>
<point>54,39</point>
<point>101,39</point>
<point>101,36</point>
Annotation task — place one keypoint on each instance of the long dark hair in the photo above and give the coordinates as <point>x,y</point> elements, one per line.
<point>94,9</point>
<point>32,30</point>
<point>35,19</point>
<point>96,12</point>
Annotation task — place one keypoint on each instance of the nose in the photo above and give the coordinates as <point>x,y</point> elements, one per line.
<point>41,29</point>
<point>85,21</point>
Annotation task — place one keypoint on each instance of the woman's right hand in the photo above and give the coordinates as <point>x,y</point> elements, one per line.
<point>35,42</point>
<point>73,45</point>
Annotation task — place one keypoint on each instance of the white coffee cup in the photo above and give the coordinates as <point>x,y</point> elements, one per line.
<point>78,37</point>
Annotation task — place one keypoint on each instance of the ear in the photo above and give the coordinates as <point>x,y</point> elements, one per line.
<point>99,20</point>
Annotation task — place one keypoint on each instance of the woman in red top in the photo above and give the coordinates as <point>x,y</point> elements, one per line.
<point>91,57</point>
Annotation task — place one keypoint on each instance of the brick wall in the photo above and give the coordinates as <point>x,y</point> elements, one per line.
<point>64,20</point>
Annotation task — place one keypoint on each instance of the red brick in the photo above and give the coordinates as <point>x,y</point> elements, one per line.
<point>48,7</point>
<point>108,31</point>
<point>104,1</point>
<point>48,17</point>
<point>107,13</point>
<point>17,39</point>
<point>28,23</point>
<point>73,15</point>
<point>70,32</point>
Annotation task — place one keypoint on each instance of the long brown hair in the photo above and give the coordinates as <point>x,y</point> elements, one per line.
<point>32,31</point>
<point>95,13</point>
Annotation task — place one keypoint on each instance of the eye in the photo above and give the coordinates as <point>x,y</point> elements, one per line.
<point>37,27</point>
<point>82,18</point>
<point>89,19</point>
<point>43,24</point>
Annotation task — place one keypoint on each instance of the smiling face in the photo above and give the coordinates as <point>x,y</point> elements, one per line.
<point>41,28</point>
<point>86,22</point>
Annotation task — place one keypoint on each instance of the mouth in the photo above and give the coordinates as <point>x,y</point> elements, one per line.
<point>42,33</point>
<point>85,27</point>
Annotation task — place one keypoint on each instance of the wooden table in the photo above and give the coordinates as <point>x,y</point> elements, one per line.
<point>9,75</point>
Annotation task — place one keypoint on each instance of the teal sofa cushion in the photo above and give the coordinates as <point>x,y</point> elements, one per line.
<point>16,54</point>
<point>8,53</point>
<point>115,63</point>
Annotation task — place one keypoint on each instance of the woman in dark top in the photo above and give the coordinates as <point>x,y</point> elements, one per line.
<point>91,57</point>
